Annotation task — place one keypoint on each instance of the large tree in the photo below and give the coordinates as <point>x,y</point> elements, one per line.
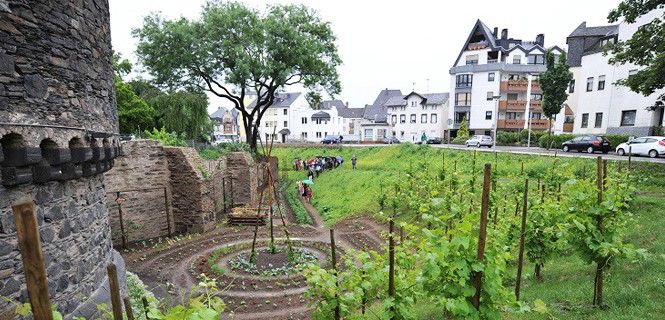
<point>134,114</point>
<point>646,48</point>
<point>232,50</point>
<point>554,83</point>
<point>184,112</point>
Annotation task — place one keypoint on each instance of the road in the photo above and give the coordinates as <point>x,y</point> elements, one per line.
<point>535,151</point>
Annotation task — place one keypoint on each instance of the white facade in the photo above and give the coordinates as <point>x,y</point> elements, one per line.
<point>601,106</point>
<point>413,116</point>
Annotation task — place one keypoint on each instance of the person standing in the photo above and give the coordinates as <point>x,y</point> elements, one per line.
<point>354,161</point>
<point>308,194</point>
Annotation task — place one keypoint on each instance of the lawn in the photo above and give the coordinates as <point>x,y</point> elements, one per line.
<point>632,290</point>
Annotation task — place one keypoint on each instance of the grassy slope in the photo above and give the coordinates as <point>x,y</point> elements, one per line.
<point>633,291</point>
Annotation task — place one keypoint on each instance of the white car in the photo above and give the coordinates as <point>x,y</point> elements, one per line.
<point>479,141</point>
<point>644,146</point>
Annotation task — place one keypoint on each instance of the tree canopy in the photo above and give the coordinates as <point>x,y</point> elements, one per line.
<point>554,83</point>
<point>646,48</point>
<point>232,50</point>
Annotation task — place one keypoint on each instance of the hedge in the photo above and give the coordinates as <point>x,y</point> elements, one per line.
<point>507,138</point>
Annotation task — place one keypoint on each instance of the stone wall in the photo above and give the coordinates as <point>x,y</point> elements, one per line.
<point>243,182</point>
<point>58,132</point>
<point>142,178</point>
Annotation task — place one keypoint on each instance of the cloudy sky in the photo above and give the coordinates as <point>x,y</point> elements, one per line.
<point>394,44</point>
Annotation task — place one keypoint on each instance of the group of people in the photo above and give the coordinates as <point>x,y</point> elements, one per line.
<point>314,167</point>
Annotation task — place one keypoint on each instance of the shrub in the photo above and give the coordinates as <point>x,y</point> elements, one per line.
<point>553,141</point>
<point>617,139</point>
<point>507,138</point>
<point>217,151</point>
<point>463,131</point>
<point>459,140</point>
<point>167,139</point>
<point>535,135</point>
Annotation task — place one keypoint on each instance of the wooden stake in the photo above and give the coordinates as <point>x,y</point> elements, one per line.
<point>520,259</point>
<point>334,266</point>
<point>116,303</point>
<point>27,232</point>
<point>128,309</point>
<point>146,307</point>
<point>600,265</point>
<point>123,237</point>
<point>630,158</point>
<point>482,234</point>
<point>391,266</point>
<point>522,170</point>
<point>252,255</point>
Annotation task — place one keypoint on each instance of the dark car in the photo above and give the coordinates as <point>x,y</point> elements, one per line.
<point>589,144</point>
<point>391,140</point>
<point>330,140</point>
<point>434,141</point>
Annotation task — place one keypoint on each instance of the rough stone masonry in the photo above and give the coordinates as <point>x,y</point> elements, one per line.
<point>58,133</point>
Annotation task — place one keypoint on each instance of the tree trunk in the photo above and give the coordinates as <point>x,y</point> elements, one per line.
<point>539,276</point>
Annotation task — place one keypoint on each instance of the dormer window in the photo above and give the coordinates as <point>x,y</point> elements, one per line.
<point>517,59</point>
<point>472,59</point>
<point>536,59</point>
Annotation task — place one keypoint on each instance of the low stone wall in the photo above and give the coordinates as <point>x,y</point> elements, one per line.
<point>142,179</point>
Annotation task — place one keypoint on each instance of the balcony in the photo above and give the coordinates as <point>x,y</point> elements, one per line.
<point>536,124</point>
<point>519,105</point>
<point>519,86</point>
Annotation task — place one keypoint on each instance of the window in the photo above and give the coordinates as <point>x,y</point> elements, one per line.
<point>460,116</point>
<point>472,59</point>
<point>536,115</point>
<point>285,111</point>
<point>512,96</point>
<point>318,134</point>
<point>463,99</point>
<point>413,118</point>
<point>601,83</point>
<point>402,118</point>
<point>369,133</point>
<point>490,95</point>
<point>517,59</point>
<point>599,120</point>
<point>423,118</point>
<point>286,124</point>
<point>589,84</point>
<point>488,115</point>
<point>511,115</point>
<point>433,118</point>
<point>304,135</point>
<point>571,86</point>
<point>513,77</point>
<point>536,97</point>
<point>393,118</point>
<point>628,118</point>
<point>464,80</point>
<point>490,77</point>
<point>535,59</point>
<point>585,120</point>
<point>606,42</point>
<point>413,103</point>
<point>303,120</point>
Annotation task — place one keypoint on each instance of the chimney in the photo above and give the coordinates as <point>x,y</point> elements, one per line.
<point>496,31</point>
<point>347,104</point>
<point>504,34</point>
<point>540,39</point>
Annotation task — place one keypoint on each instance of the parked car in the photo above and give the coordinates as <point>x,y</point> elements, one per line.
<point>643,146</point>
<point>330,140</point>
<point>434,141</point>
<point>480,141</point>
<point>391,140</point>
<point>589,144</point>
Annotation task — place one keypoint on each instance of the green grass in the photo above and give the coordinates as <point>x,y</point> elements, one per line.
<point>632,290</point>
<point>299,211</point>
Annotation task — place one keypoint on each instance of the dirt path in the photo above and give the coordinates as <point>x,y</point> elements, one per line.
<point>172,270</point>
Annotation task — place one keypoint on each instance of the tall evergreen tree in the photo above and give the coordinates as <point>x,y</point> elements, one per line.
<point>554,83</point>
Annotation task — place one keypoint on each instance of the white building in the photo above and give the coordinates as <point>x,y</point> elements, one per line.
<point>415,115</point>
<point>600,105</point>
<point>291,119</point>
<point>490,77</point>
<point>374,124</point>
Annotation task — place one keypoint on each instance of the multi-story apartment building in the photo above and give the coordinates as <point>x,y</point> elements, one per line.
<point>291,119</point>
<point>415,115</point>
<point>600,105</point>
<point>489,82</point>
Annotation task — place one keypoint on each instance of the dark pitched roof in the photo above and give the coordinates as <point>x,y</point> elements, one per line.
<point>219,114</point>
<point>601,31</point>
<point>321,115</point>
<point>329,104</point>
<point>282,100</point>
<point>350,113</point>
<point>429,99</point>
<point>436,98</point>
<point>377,111</point>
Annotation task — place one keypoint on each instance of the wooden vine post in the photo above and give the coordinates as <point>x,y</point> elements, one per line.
<point>477,277</point>
<point>391,261</point>
<point>27,232</point>
<point>600,265</point>
<point>123,237</point>
<point>520,258</point>
<point>630,158</point>
<point>146,307</point>
<point>522,170</point>
<point>128,309</point>
<point>114,286</point>
<point>333,257</point>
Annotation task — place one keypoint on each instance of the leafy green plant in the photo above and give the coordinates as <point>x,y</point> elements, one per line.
<point>167,139</point>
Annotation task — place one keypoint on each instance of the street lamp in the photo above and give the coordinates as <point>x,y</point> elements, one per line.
<point>496,118</point>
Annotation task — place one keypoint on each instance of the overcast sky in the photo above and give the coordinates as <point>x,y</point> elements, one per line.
<point>393,44</point>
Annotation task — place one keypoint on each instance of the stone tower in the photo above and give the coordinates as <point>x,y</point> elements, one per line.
<point>58,134</point>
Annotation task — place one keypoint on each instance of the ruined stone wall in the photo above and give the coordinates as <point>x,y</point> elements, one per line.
<point>218,185</point>
<point>142,177</point>
<point>193,208</point>
<point>243,175</point>
<point>58,132</point>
